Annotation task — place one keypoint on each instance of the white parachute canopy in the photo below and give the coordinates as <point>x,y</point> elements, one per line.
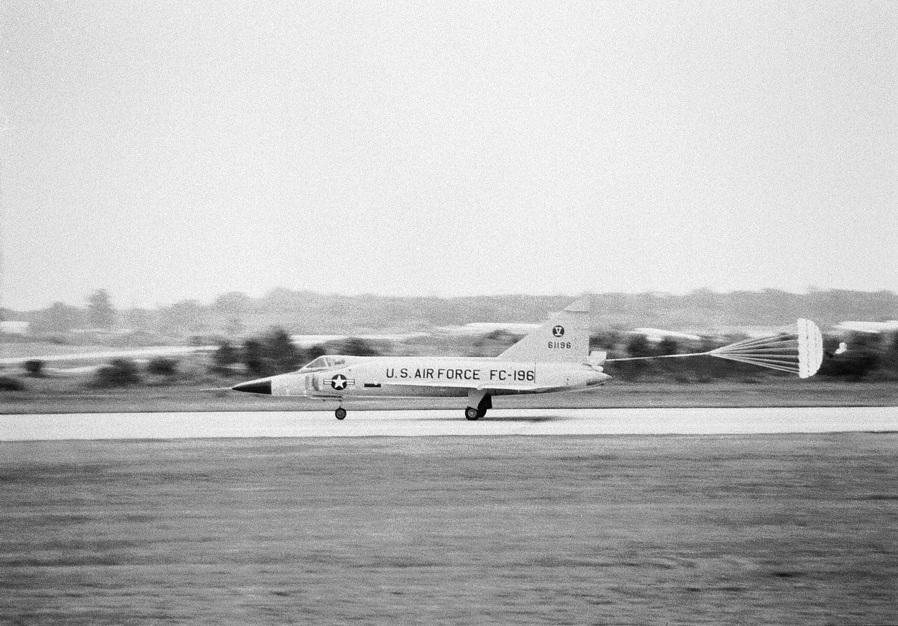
<point>799,351</point>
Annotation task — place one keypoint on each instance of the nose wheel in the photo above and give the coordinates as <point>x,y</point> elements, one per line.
<point>340,413</point>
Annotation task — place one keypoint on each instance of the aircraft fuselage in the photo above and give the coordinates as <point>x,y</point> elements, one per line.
<point>435,376</point>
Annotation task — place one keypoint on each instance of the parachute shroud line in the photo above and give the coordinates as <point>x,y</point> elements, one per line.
<point>798,350</point>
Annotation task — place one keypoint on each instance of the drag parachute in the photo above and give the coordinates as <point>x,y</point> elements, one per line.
<point>796,350</point>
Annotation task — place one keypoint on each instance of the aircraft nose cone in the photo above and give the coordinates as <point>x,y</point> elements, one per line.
<point>255,386</point>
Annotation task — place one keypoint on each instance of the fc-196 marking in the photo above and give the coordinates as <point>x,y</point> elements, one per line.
<point>456,374</point>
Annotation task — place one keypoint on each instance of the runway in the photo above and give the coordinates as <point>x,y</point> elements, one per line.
<point>425,423</point>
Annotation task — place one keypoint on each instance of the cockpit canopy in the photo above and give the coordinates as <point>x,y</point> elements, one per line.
<point>328,361</point>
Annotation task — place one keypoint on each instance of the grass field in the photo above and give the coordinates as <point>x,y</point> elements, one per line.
<point>608,530</point>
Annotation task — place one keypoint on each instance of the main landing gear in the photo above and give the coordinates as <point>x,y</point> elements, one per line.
<point>484,401</point>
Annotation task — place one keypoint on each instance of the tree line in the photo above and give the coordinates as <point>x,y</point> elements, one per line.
<point>236,315</point>
<point>869,357</point>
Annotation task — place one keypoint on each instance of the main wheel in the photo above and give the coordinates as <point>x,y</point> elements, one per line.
<point>340,413</point>
<point>472,413</point>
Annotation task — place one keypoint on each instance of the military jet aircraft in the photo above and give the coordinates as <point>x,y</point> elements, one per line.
<point>554,357</point>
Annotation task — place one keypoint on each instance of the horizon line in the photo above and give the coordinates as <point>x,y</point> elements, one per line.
<point>323,294</point>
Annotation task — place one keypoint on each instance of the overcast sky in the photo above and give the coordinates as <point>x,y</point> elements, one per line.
<point>173,150</point>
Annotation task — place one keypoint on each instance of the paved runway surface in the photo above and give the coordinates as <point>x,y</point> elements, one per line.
<point>405,423</point>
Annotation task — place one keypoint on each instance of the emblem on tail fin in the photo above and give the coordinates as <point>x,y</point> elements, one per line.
<point>542,344</point>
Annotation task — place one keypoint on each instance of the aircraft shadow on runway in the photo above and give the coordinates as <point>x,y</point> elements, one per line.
<point>529,419</point>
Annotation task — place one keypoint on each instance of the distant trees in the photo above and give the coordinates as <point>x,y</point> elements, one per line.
<point>238,317</point>
<point>272,353</point>
<point>34,368</point>
<point>861,358</point>
<point>254,357</point>
<point>226,356</point>
<point>607,340</point>
<point>119,373</point>
<point>854,366</point>
<point>9,383</point>
<point>355,346</point>
<point>234,326</point>
<point>639,345</point>
<point>138,319</point>
<point>185,317</point>
<point>163,366</point>
<point>58,318</point>
<point>100,312</point>
<point>668,346</point>
<point>279,349</point>
<point>493,343</point>
<point>889,361</point>
<point>234,302</point>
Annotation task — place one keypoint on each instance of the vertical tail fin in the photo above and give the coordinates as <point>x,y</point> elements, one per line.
<point>564,337</point>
